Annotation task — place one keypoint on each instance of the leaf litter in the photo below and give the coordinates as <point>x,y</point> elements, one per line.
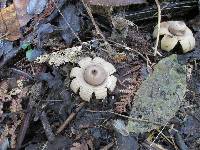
<point>150,100</point>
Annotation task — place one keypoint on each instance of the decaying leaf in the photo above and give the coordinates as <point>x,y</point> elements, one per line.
<point>72,15</point>
<point>61,57</point>
<point>9,24</point>
<point>12,18</point>
<point>160,96</point>
<point>36,6</point>
<point>21,11</point>
<point>114,2</point>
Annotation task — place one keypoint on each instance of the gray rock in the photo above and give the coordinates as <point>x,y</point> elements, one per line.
<point>160,96</point>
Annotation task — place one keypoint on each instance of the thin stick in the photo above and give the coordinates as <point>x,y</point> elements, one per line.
<point>97,27</point>
<point>159,134</point>
<point>6,34</point>
<point>107,147</point>
<point>22,73</point>
<point>65,20</point>
<point>131,118</point>
<point>158,34</point>
<point>47,128</point>
<point>69,119</point>
<point>165,137</point>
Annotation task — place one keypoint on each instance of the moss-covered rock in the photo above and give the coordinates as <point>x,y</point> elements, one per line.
<point>160,96</point>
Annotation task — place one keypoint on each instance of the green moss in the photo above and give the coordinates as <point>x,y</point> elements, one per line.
<point>160,96</point>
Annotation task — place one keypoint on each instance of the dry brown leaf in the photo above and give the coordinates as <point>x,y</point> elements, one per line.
<point>9,24</point>
<point>114,2</point>
<point>12,18</point>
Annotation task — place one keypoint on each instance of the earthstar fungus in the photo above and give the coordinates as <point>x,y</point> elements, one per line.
<point>93,76</point>
<point>174,32</point>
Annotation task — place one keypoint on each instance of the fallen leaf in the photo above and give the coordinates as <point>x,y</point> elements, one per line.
<point>12,18</point>
<point>36,6</point>
<point>9,24</point>
<point>114,2</point>
<point>43,32</point>
<point>32,54</point>
<point>71,15</point>
<point>5,47</point>
<point>21,11</point>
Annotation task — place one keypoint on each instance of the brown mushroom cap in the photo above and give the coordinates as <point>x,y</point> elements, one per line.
<point>95,75</point>
<point>177,27</point>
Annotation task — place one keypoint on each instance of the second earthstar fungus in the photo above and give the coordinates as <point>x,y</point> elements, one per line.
<point>174,32</point>
<point>93,76</point>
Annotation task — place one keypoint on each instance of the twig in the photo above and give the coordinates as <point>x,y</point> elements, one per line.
<point>97,27</point>
<point>65,20</point>
<point>107,147</point>
<point>159,134</point>
<point>6,34</point>
<point>154,146</point>
<point>22,73</point>
<point>25,125</point>
<point>44,146</point>
<point>158,34</point>
<point>131,118</point>
<point>71,116</point>
<point>47,128</point>
<point>165,137</point>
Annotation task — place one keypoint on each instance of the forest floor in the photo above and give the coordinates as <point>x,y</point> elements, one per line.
<point>40,43</point>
